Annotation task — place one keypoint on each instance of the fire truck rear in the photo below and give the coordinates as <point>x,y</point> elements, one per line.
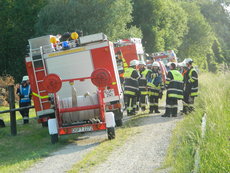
<point>75,84</point>
<point>130,48</point>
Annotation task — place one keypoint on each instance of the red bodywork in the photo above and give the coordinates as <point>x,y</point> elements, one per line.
<point>129,52</point>
<point>101,58</point>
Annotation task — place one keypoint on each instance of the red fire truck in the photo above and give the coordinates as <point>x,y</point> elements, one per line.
<point>75,84</point>
<point>165,56</point>
<point>130,48</point>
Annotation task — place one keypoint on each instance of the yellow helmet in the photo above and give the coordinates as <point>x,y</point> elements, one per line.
<point>74,35</point>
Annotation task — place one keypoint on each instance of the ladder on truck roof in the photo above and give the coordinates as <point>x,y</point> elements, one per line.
<point>39,67</point>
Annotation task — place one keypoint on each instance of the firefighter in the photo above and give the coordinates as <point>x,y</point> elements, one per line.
<point>121,65</point>
<point>191,87</point>
<point>131,87</point>
<point>183,67</point>
<point>174,86</point>
<point>155,85</point>
<point>24,93</point>
<point>145,74</point>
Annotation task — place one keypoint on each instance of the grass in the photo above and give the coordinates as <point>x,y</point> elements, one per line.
<point>214,148</point>
<point>31,144</point>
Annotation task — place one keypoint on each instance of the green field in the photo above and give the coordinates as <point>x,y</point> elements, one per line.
<point>31,144</point>
<point>214,148</point>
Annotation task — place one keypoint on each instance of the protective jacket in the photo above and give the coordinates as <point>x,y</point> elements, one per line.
<point>191,82</point>
<point>145,74</point>
<point>131,86</point>
<point>24,93</point>
<point>174,84</point>
<point>155,84</point>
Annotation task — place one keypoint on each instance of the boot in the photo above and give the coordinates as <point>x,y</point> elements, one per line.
<point>26,121</point>
<point>143,109</point>
<point>156,110</point>
<point>151,110</point>
<point>165,115</point>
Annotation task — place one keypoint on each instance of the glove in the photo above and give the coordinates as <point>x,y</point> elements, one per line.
<point>21,96</point>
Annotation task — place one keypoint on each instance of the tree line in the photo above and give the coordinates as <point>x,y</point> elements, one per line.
<point>198,29</point>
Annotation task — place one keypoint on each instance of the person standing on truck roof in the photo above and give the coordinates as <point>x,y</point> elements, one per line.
<point>131,87</point>
<point>145,75</point>
<point>191,87</point>
<point>24,92</point>
<point>155,88</point>
<point>174,85</point>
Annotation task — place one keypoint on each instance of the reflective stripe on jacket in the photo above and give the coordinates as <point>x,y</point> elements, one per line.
<point>143,82</point>
<point>174,84</point>
<point>131,81</point>
<point>193,81</point>
<point>155,84</point>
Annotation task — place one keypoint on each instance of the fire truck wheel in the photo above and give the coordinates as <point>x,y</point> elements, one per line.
<point>45,124</point>
<point>54,138</point>
<point>111,133</point>
<point>119,122</point>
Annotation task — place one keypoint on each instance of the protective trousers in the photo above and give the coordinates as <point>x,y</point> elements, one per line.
<point>143,102</point>
<point>24,112</point>
<point>171,107</point>
<point>130,104</point>
<point>153,103</point>
<point>188,102</point>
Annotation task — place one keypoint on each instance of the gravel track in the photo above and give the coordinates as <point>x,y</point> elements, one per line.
<point>142,153</point>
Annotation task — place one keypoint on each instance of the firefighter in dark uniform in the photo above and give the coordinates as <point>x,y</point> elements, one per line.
<point>131,87</point>
<point>24,93</point>
<point>191,87</point>
<point>145,74</point>
<point>155,88</point>
<point>174,85</point>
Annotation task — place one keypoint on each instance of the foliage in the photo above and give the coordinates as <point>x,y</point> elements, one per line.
<point>193,28</point>
<point>163,24</point>
<point>17,19</point>
<point>198,42</point>
<point>110,17</point>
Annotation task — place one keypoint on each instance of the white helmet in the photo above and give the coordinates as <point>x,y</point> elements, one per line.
<point>182,64</point>
<point>188,61</point>
<point>25,78</point>
<point>142,63</point>
<point>134,62</point>
<point>156,64</point>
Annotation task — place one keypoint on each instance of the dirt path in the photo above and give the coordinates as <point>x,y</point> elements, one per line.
<point>143,152</point>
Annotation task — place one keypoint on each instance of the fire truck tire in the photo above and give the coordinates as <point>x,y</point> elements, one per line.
<point>54,138</point>
<point>119,122</point>
<point>118,117</point>
<point>111,133</point>
<point>45,124</point>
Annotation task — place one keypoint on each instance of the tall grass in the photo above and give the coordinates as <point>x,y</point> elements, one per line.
<point>214,99</point>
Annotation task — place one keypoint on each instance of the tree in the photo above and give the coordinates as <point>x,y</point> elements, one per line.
<point>163,24</point>
<point>107,16</point>
<point>197,43</point>
<point>17,20</point>
<point>218,17</point>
